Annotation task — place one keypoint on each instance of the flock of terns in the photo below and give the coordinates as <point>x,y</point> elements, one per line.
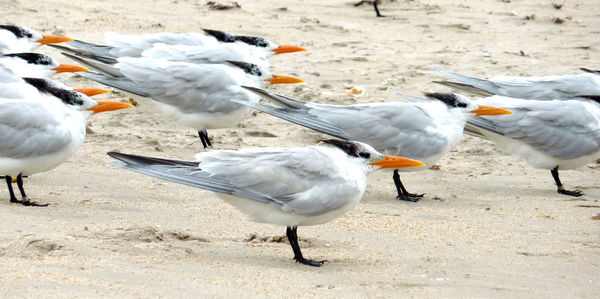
<point>214,79</point>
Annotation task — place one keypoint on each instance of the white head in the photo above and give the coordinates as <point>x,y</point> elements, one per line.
<point>28,39</point>
<point>36,65</point>
<point>253,41</point>
<point>461,105</point>
<point>262,76</point>
<point>365,154</point>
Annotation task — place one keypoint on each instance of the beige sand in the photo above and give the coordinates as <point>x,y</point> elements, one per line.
<point>489,226</point>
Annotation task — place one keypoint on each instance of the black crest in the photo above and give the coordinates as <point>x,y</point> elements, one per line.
<point>17,31</point>
<point>449,99</point>
<point>591,97</point>
<point>249,68</point>
<point>221,36</point>
<point>69,97</point>
<point>33,58</point>
<point>348,147</point>
<point>226,37</point>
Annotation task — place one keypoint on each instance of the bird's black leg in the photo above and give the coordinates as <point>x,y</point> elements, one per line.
<point>292,235</point>
<point>377,10</point>
<point>25,201</point>
<point>13,198</point>
<point>204,138</point>
<point>562,189</point>
<point>402,193</point>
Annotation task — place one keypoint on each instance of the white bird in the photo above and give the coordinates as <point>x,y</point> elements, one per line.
<point>39,133</point>
<point>239,47</point>
<point>566,87</point>
<point>194,95</point>
<point>15,39</point>
<point>425,130</point>
<point>285,186</point>
<point>557,134</point>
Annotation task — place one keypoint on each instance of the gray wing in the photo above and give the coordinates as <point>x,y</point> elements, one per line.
<point>28,130</point>
<point>188,87</point>
<point>291,181</point>
<point>116,82</point>
<point>562,129</point>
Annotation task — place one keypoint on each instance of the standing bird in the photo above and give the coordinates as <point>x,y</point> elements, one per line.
<point>195,95</point>
<point>286,186</point>
<point>15,39</point>
<point>425,130</point>
<point>234,47</point>
<point>565,87</point>
<point>40,132</point>
<point>557,134</point>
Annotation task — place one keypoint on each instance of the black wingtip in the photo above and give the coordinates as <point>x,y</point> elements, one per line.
<point>144,160</point>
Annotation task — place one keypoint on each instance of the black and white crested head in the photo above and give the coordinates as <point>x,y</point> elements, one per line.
<point>20,31</point>
<point>451,99</point>
<point>355,149</point>
<point>66,95</point>
<point>226,37</point>
<point>35,58</point>
<point>248,68</point>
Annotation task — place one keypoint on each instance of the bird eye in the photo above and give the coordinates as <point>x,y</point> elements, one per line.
<point>461,105</point>
<point>364,155</point>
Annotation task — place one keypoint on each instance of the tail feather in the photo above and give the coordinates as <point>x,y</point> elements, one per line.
<point>96,65</point>
<point>464,87</point>
<point>185,172</point>
<point>597,72</point>
<point>98,50</point>
<point>478,84</point>
<point>278,99</point>
<point>298,116</point>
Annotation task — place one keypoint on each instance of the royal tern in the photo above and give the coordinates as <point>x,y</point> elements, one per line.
<point>557,134</point>
<point>39,133</point>
<point>15,39</point>
<point>566,87</point>
<point>285,186</point>
<point>195,95</point>
<point>214,46</point>
<point>35,65</point>
<point>425,130</point>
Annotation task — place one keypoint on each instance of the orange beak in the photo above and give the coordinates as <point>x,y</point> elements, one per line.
<point>488,110</point>
<point>69,68</point>
<point>104,106</point>
<point>397,162</point>
<point>90,92</point>
<point>287,49</point>
<point>277,79</point>
<point>53,39</point>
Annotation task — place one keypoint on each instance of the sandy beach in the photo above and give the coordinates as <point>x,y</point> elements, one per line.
<point>488,226</point>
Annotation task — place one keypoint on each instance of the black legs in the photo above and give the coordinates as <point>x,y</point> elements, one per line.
<point>375,3</point>
<point>204,138</point>
<point>292,235</point>
<point>402,193</point>
<point>376,9</point>
<point>25,201</point>
<point>562,189</point>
